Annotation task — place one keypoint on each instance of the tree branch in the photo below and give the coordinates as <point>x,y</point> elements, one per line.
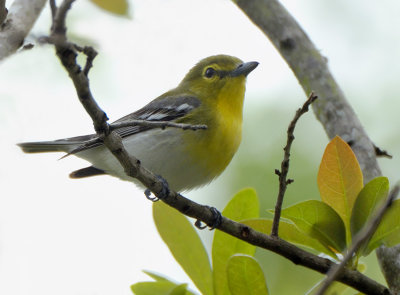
<point>21,17</point>
<point>152,124</point>
<point>3,12</point>
<point>67,54</point>
<point>332,108</point>
<point>283,181</point>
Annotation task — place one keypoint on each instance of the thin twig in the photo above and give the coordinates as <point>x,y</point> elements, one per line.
<point>382,153</point>
<point>91,54</point>
<point>53,8</point>
<point>67,54</point>
<point>361,237</point>
<point>3,12</point>
<point>283,181</point>
<point>152,124</point>
<point>134,169</point>
<point>114,126</point>
<point>60,17</point>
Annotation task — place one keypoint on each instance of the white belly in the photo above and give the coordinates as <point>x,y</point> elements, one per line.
<point>160,151</point>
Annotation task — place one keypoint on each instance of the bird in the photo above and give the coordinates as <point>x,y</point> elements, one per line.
<point>211,94</point>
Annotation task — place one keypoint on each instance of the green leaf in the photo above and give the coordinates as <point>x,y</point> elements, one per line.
<point>119,7</point>
<point>388,232</point>
<point>153,288</point>
<point>244,205</point>
<point>289,232</point>
<point>319,221</point>
<point>180,290</point>
<point>166,287</point>
<point>185,245</point>
<point>368,201</point>
<point>156,276</point>
<point>245,276</point>
<point>340,179</point>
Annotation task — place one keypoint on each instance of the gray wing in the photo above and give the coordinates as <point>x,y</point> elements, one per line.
<point>167,108</point>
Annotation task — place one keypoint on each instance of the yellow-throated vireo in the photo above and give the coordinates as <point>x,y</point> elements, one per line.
<point>211,94</point>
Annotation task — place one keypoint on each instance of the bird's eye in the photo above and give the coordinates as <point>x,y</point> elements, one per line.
<point>209,73</point>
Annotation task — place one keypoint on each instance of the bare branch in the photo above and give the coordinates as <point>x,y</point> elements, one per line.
<point>3,12</point>
<point>362,237</point>
<point>283,181</point>
<point>67,54</point>
<point>59,17</point>
<point>21,17</point>
<point>128,123</point>
<point>332,108</point>
<point>152,124</point>
<point>91,54</point>
<point>53,8</point>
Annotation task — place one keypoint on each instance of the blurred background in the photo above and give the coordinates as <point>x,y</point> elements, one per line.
<point>94,236</point>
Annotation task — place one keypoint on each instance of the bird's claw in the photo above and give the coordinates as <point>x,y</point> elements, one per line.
<point>147,193</point>
<point>165,188</point>
<point>162,194</point>
<point>217,219</point>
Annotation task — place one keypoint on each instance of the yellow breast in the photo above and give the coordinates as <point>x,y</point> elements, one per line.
<point>215,147</point>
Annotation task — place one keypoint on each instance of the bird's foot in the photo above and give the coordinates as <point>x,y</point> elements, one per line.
<point>162,194</point>
<point>217,219</point>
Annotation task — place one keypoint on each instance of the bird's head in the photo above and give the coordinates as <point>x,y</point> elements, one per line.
<point>218,77</point>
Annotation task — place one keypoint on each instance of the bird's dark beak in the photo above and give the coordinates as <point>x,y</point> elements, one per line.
<point>244,69</point>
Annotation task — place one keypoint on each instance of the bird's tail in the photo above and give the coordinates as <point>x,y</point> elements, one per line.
<point>61,145</point>
<point>47,146</point>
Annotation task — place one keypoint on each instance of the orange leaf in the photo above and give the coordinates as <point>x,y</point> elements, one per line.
<point>340,178</point>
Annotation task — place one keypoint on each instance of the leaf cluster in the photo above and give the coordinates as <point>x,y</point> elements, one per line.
<point>232,270</point>
<point>327,226</point>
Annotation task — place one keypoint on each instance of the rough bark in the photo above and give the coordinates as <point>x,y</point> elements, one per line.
<point>19,22</point>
